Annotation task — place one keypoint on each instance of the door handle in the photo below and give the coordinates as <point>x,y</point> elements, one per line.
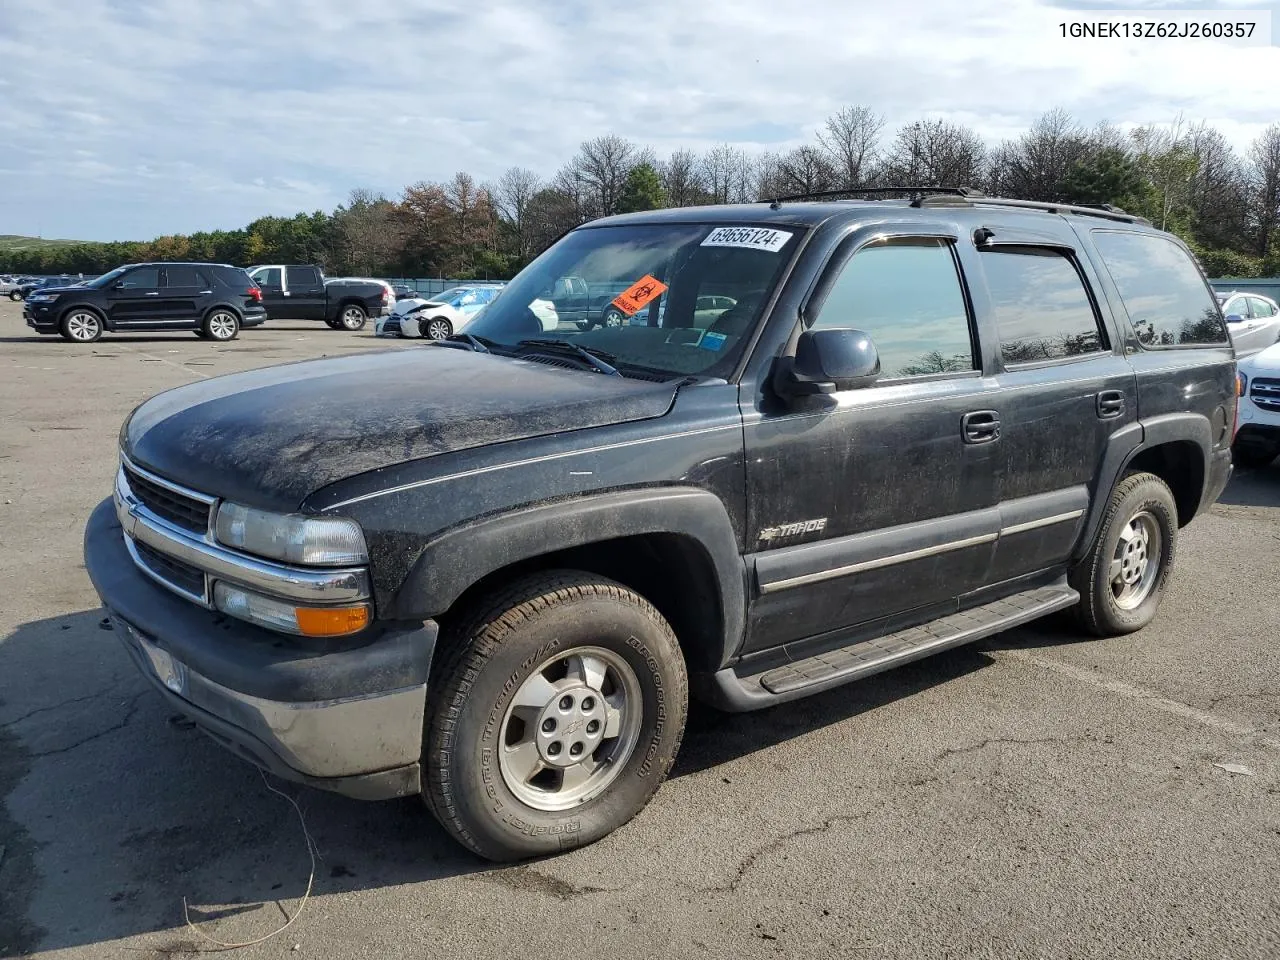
<point>1110,404</point>
<point>980,426</point>
<point>153,293</point>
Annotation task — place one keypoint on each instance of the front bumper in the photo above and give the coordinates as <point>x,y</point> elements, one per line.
<point>40,317</point>
<point>346,717</point>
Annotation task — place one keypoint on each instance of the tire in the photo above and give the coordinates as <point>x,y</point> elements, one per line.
<point>1123,579</point>
<point>352,317</point>
<point>81,326</point>
<point>613,317</point>
<point>221,325</point>
<point>15,295</point>
<point>435,328</point>
<point>1253,456</point>
<point>201,334</point>
<point>333,324</point>
<point>517,646</point>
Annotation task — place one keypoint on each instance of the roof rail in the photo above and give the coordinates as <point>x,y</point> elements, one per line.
<point>918,192</point>
<point>1103,210</point>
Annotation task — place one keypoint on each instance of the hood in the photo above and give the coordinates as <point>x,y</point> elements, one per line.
<point>61,288</point>
<point>271,437</point>
<point>410,305</point>
<point>1264,362</point>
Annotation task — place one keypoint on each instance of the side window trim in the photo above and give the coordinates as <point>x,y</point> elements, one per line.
<point>1072,256</point>
<point>846,249</point>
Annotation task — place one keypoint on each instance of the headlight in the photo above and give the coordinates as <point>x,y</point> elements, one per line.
<point>42,298</point>
<point>291,538</point>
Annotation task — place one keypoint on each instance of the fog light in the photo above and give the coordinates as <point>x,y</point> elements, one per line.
<point>281,615</point>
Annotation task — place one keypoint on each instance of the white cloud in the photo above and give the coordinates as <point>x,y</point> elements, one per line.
<point>177,115</point>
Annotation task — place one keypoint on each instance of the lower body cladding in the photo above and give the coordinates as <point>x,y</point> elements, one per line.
<point>343,717</point>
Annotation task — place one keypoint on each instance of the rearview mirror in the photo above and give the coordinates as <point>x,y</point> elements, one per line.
<point>827,361</point>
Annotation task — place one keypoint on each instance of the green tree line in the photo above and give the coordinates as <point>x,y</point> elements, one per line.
<point>1185,178</point>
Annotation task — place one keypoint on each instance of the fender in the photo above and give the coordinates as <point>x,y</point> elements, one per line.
<point>452,562</point>
<point>1125,444</point>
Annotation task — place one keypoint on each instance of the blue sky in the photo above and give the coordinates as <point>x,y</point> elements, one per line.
<point>126,119</point>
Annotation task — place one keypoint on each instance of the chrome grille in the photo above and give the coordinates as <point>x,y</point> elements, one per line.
<point>182,576</point>
<point>1265,392</point>
<point>178,509</point>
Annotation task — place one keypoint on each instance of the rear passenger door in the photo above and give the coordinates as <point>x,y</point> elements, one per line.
<point>1064,389</point>
<point>305,293</point>
<point>186,292</point>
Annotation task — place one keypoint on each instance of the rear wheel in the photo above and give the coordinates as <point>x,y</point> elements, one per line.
<point>558,711</point>
<point>613,317</point>
<point>1123,579</point>
<point>15,295</point>
<point>436,328</point>
<point>352,317</point>
<point>221,325</point>
<point>81,326</point>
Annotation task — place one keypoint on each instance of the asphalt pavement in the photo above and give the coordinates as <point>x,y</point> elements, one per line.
<point>1037,795</point>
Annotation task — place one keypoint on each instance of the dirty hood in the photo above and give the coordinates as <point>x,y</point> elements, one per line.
<point>271,437</point>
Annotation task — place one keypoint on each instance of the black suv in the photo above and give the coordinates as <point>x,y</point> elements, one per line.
<point>213,299</point>
<point>830,438</point>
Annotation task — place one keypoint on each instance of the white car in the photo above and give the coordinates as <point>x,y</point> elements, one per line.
<point>1257,440</point>
<point>441,316</point>
<point>1252,320</point>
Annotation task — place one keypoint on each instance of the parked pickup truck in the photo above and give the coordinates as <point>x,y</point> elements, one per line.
<point>496,578</point>
<point>301,292</point>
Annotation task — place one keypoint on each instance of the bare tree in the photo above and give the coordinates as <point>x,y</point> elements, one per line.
<point>511,196</point>
<point>682,179</point>
<point>721,170</point>
<point>850,139</point>
<point>1264,187</point>
<point>1033,166</point>
<point>934,153</point>
<point>1218,195</point>
<point>602,165</point>
<point>805,170</point>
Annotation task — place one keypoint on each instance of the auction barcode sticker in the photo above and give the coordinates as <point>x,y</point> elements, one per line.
<point>753,238</point>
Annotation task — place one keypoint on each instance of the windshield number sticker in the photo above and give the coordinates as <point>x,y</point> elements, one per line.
<point>753,238</point>
<point>643,291</point>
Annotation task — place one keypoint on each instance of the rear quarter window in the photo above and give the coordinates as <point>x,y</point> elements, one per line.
<point>1168,301</point>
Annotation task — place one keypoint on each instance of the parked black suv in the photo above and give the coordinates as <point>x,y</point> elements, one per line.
<point>863,432</point>
<point>213,299</point>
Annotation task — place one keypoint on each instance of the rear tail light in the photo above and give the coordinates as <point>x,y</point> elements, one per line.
<point>254,294</point>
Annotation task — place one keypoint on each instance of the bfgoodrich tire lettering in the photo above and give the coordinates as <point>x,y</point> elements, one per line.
<point>1124,576</point>
<point>490,658</point>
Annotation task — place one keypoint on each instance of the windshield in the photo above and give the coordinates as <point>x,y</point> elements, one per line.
<point>674,299</point>
<point>450,296</point>
<point>106,278</point>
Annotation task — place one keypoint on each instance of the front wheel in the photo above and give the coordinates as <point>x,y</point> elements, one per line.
<point>613,317</point>
<point>352,317</point>
<point>15,295</point>
<point>436,328</point>
<point>558,712</point>
<point>221,325</point>
<point>1123,579</point>
<point>81,326</point>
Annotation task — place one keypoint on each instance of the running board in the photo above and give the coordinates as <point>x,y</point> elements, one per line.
<point>868,657</point>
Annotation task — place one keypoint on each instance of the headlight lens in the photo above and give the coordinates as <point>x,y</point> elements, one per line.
<point>291,538</point>
<point>42,298</point>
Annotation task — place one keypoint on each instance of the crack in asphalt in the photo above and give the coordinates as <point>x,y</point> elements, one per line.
<point>747,863</point>
<point>991,741</point>
<point>124,722</point>
<point>65,703</point>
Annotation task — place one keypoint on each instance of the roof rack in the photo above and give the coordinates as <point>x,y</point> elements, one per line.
<point>917,192</point>
<point>937,196</point>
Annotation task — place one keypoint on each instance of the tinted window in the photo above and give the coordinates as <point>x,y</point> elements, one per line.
<point>1042,309</point>
<point>1261,308</point>
<point>268,278</point>
<point>303,277</point>
<point>185,277</point>
<point>907,297</point>
<point>1167,300</point>
<point>143,277</point>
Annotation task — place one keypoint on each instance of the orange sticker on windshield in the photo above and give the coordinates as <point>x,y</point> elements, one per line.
<point>638,294</point>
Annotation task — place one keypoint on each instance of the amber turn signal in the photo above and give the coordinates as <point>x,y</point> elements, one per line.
<point>331,621</point>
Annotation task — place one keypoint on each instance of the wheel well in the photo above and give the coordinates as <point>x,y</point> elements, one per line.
<point>87,309</point>
<point>671,571</point>
<point>1180,464</point>
<point>222,306</point>
<point>352,302</point>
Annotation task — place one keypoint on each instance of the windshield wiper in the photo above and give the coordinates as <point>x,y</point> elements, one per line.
<point>465,341</point>
<point>596,358</point>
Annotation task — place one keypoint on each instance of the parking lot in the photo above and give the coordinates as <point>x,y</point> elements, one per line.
<point>1035,795</point>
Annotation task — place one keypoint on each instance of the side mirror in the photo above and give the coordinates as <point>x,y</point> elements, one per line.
<point>1234,318</point>
<point>827,361</point>
<point>118,285</point>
